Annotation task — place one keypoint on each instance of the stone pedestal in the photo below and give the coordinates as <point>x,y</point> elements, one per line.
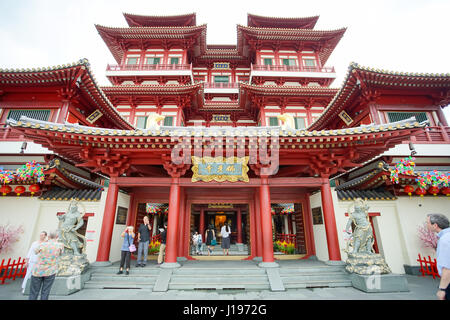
<point>63,286</point>
<point>72,265</point>
<point>378,283</point>
<point>366,264</point>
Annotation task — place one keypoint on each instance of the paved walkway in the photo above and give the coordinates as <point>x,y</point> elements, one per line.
<point>421,288</point>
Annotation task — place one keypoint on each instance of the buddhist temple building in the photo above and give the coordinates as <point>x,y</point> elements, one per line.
<point>196,134</point>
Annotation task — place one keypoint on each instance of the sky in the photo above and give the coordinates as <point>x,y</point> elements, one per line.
<point>402,35</point>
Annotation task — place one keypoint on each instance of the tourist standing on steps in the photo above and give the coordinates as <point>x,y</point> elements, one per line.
<point>44,273</point>
<point>125,257</point>
<point>32,258</point>
<point>210,237</point>
<point>144,240</point>
<point>195,241</point>
<point>440,224</point>
<point>225,232</point>
<point>162,248</point>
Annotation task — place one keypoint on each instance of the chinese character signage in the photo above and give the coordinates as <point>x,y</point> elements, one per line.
<point>94,116</point>
<point>345,117</point>
<point>219,169</point>
<point>221,118</point>
<point>221,65</point>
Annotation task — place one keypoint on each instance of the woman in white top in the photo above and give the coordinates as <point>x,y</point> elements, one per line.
<point>32,258</point>
<point>225,232</point>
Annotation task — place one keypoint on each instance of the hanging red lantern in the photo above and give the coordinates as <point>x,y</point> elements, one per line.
<point>34,188</point>
<point>19,190</point>
<point>446,191</point>
<point>409,190</point>
<point>433,190</point>
<point>421,192</point>
<point>5,190</point>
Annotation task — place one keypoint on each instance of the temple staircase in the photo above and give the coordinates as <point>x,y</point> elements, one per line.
<point>222,275</point>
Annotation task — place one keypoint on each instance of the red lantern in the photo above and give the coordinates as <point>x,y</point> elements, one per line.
<point>5,190</point>
<point>421,192</point>
<point>34,188</point>
<point>409,190</point>
<point>19,190</point>
<point>446,191</point>
<point>433,190</point>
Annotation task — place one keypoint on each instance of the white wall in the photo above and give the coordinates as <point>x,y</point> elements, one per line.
<point>320,237</point>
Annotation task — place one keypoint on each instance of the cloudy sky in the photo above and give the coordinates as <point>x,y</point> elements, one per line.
<point>402,35</point>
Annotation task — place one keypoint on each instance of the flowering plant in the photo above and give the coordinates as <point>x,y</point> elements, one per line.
<point>285,247</point>
<point>153,247</point>
<point>8,236</point>
<point>404,166</point>
<point>429,238</point>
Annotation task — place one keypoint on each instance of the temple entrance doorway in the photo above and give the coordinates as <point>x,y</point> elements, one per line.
<point>214,216</point>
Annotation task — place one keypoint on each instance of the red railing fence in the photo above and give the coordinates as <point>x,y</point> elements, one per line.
<point>12,270</point>
<point>428,267</point>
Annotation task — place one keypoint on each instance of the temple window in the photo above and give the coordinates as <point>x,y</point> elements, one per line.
<point>221,79</point>
<point>267,61</point>
<point>132,60</point>
<point>299,123</point>
<point>168,121</point>
<point>273,121</point>
<point>152,60</point>
<point>309,62</point>
<point>399,116</point>
<point>42,115</point>
<point>174,60</point>
<point>141,122</point>
<point>289,62</point>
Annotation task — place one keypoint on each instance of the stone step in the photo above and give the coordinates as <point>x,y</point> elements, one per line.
<point>133,270</point>
<point>198,272</point>
<point>124,278</point>
<point>117,285</point>
<point>297,270</point>
<point>317,284</point>
<point>224,280</point>
<point>314,277</point>
<point>220,286</point>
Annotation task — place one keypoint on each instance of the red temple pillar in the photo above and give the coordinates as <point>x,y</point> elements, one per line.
<point>131,217</point>
<point>258,237</point>
<point>266,224</point>
<point>62,116</point>
<point>172,224</point>
<point>181,225</point>
<point>239,225</point>
<point>334,253</point>
<point>202,223</point>
<point>106,232</point>
<point>310,245</point>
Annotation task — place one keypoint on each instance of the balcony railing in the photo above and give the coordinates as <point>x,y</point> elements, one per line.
<point>148,67</point>
<point>215,85</point>
<point>261,67</point>
<point>439,134</point>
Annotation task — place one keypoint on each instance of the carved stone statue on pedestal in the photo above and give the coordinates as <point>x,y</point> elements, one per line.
<point>73,261</point>
<point>361,257</point>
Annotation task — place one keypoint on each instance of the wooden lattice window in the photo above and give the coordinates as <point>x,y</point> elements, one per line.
<point>299,123</point>
<point>273,121</point>
<point>42,115</point>
<point>399,116</point>
<point>168,121</point>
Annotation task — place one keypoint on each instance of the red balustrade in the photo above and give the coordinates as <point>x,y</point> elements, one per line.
<point>428,267</point>
<point>12,270</point>
<point>436,134</point>
<point>148,67</point>
<point>261,67</point>
<point>233,85</point>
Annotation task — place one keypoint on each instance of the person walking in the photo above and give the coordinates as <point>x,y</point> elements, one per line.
<point>200,244</point>
<point>46,268</point>
<point>162,248</point>
<point>210,237</point>
<point>144,241</point>
<point>125,257</point>
<point>225,232</point>
<point>195,241</point>
<point>32,258</point>
<point>440,224</point>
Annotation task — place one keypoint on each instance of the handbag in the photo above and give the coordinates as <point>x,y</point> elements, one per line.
<point>131,247</point>
<point>213,242</point>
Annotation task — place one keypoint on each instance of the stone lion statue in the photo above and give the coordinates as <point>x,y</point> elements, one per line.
<point>152,121</point>
<point>287,121</point>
